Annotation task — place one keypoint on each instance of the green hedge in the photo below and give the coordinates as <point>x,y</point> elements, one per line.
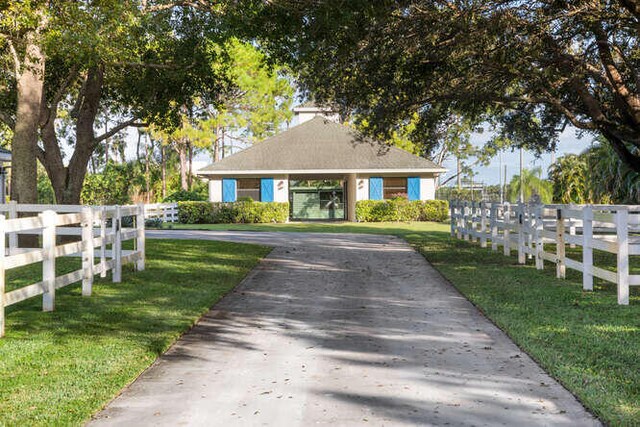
<point>401,209</point>
<point>232,213</point>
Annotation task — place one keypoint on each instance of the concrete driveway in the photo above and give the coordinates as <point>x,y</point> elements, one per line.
<point>342,329</point>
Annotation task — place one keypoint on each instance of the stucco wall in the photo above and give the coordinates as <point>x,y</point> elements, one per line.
<point>362,192</point>
<point>281,188</point>
<point>215,190</point>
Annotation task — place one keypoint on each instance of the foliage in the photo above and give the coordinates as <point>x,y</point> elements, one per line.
<point>401,209</point>
<point>232,213</point>
<point>533,186</point>
<point>184,195</point>
<point>45,190</point>
<point>60,368</point>
<point>153,223</point>
<point>595,176</point>
<point>490,193</point>
<point>110,187</point>
<point>528,67</point>
<point>569,177</point>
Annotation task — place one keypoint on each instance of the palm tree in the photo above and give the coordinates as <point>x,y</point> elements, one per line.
<point>532,185</point>
<point>569,177</point>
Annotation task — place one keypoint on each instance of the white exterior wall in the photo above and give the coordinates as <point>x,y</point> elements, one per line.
<point>362,191</point>
<point>427,187</point>
<point>281,188</point>
<point>215,190</point>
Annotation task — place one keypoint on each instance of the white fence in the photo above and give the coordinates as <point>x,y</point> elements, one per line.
<point>528,228</point>
<point>97,226</point>
<point>167,212</point>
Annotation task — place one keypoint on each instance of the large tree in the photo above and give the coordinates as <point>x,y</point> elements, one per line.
<point>532,67</point>
<point>137,61</point>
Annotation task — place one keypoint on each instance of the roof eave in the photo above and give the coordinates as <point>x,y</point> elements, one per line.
<point>436,170</point>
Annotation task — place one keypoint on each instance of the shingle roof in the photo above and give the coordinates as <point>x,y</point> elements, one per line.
<point>317,145</point>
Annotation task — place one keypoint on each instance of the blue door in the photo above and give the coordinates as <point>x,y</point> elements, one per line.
<point>413,188</point>
<point>266,190</point>
<point>375,188</point>
<point>228,190</point>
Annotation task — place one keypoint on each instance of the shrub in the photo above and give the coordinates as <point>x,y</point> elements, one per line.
<point>153,223</point>
<point>184,196</point>
<point>400,209</point>
<point>195,212</point>
<point>232,213</point>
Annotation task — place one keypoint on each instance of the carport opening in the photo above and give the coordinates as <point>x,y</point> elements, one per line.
<point>317,199</point>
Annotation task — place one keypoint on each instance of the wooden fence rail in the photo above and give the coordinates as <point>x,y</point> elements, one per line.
<point>167,212</point>
<point>98,227</point>
<point>528,228</point>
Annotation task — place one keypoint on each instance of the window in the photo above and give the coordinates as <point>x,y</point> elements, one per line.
<point>395,187</point>
<point>249,187</point>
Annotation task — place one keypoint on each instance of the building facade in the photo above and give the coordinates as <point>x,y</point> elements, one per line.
<point>322,168</point>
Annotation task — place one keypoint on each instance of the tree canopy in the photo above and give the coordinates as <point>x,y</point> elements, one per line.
<point>530,68</point>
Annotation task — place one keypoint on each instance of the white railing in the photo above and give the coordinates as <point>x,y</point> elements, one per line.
<point>167,212</point>
<point>97,227</point>
<point>528,228</point>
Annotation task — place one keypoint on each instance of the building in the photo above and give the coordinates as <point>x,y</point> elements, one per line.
<point>321,168</point>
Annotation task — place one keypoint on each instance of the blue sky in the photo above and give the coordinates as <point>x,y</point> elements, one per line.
<point>568,143</point>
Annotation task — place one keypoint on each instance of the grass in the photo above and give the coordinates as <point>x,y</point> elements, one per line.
<point>59,368</point>
<point>584,339</point>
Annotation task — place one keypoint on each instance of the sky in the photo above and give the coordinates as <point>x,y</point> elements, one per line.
<point>490,174</point>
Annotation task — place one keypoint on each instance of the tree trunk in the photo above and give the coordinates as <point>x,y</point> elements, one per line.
<point>163,171</point>
<point>190,148</point>
<point>25,134</point>
<point>216,145</point>
<point>183,166</point>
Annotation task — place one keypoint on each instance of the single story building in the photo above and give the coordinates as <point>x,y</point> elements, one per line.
<point>321,168</point>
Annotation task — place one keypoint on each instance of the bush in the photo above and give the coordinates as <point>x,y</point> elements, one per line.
<point>153,223</point>
<point>184,196</point>
<point>400,209</point>
<point>232,213</point>
<point>195,212</point>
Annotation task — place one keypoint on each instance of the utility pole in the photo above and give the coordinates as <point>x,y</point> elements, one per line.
<point>500,180</point>
<point>459,178</point>
<point>505,181</point>
<point>521,180</point>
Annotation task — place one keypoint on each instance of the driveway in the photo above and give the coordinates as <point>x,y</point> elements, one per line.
<point>342,329</point>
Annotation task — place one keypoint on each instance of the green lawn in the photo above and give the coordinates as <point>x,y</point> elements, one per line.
<point>584,339</point>
<point>59,368</point>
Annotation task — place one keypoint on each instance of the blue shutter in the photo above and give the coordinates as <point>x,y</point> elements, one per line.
<point>266,190</point>
<point>413,188</point>
<point>228,190</point>
<point>375,188</point>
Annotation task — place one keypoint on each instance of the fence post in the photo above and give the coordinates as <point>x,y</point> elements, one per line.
<point>452,209</point>
<point>539,224</point>
<point>459,227</point>
<point>587,250</point>
<point>473,232</point>
<point>163,208</point>
<point>140,243</point>
<point>103,238</point>
<point>483,225</point>
<point>13,237</point>
<point>87,251</point>
<point>520,225</point>
<point>560,246</point>
<point>506,238</point>
<point>116,247</point>
<point>493,213</point>
<point>2,287</point>
<point>465,222</point>
<point>622,224</point>
<point>49,219</point>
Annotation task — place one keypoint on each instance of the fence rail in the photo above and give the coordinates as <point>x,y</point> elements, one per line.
<point>100,231</point>
<point>527,228</point>
<point>167,212</point>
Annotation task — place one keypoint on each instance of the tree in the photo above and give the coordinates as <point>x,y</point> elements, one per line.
<point>137,60</point>
<point>569,176</point>
<point>531,67</point>
<point>532,185</point>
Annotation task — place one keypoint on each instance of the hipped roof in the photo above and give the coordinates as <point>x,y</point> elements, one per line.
<point>318,146</point>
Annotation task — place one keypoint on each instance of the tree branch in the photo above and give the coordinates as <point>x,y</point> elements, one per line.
<point>118,128</point>
<point>17,65</point>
